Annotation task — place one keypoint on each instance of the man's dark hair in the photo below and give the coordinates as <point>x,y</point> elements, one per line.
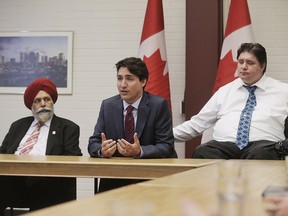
<point>257,50</point>
<point>136,66</point>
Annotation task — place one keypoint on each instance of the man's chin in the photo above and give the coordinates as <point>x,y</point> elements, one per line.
<point>245,78</point>
<point>44,116</point>
<point>124,97</point>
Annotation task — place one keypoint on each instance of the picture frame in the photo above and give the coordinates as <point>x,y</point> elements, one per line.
<point>26,56</point>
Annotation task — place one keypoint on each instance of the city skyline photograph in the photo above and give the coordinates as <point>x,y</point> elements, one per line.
<point>25,57</point>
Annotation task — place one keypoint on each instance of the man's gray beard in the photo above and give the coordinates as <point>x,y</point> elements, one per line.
<point>43,116</point>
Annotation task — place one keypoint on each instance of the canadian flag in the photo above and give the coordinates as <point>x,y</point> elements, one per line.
<point>238,30</point>
<point>152,50</point>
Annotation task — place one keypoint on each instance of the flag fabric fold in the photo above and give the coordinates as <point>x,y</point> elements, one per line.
<point>238,30</point>
<point>152,50</point>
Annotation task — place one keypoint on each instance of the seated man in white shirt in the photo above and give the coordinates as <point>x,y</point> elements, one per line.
<point>225,109</point>
<point>56,136</point>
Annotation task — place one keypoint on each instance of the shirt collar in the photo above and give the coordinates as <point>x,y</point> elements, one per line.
<point>260,84</point>
<point>135,104</point>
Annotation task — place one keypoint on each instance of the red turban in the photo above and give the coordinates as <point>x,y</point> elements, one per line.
<point>39,84</point>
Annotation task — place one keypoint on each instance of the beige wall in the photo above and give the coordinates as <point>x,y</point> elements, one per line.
<point>104,32</point>
<point>107,31</point>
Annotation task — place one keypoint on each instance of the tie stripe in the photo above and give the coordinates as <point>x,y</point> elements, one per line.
<point>32,140</point>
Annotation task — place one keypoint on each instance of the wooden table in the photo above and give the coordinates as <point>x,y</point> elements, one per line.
<point>167,194</point>
<point>85,166</point>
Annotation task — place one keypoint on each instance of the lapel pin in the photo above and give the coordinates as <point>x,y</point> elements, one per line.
<point>53,132</point>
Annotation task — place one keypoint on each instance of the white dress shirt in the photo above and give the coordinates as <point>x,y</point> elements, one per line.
<point>224,109</point>
<point>134,111</point>
<point>40,147</point>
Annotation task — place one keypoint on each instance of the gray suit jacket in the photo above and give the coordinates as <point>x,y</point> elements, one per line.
<point>153,127</point>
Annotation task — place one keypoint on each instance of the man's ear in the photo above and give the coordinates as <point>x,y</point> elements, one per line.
<point>143,83</point>
<point>263,66</point>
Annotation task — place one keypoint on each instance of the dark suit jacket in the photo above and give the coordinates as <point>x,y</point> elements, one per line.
<point>153,127</point>
<point>63,139</point>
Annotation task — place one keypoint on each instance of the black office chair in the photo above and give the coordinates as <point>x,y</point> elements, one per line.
<point>11,211</point>
<point>10,197</point>
<point>282,146</point>
<point>56,189</point>
<point>286,128</point>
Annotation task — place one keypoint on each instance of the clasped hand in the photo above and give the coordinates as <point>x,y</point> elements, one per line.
<point>124,148</point>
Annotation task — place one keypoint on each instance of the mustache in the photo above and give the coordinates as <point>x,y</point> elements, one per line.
<point>44,109</point>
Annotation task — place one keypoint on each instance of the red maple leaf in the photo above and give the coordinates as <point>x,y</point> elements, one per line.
<point>226,71</point>
<point>158,83</point>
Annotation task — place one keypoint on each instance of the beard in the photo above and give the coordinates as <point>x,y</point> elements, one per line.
<point>43,114</point>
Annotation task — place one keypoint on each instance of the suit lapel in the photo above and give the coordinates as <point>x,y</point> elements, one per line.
<point>53,133</point>
<point>142,116</point>
<point>118,116</point>
<point>21,131</point>
<point>143,113</point>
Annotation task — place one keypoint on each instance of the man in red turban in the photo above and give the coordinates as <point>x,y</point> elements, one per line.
<point>40,96</point>
<point>33,88</point>
<point>44,133</point>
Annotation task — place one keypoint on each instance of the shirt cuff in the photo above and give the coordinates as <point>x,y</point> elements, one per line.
<point>99,153</point>
<point>141,153</point>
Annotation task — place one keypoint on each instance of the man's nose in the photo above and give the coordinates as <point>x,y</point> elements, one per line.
<point>42,102</point>
<point>124,83</point>
<point>244,66</point>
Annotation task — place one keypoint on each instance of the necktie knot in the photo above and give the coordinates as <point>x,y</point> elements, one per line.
<point>39,124</point>
<point>251,89</point>
<point>129,109</point>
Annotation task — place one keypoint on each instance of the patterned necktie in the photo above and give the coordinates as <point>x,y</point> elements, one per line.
<point>242,138</point>
<point>129,124</point>
<point>31,141</point>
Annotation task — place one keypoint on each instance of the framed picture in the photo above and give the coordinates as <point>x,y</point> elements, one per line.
<point>26,56</point>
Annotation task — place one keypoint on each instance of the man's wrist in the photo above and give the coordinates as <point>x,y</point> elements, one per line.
<point>99,153</point>
<point>140,154</point>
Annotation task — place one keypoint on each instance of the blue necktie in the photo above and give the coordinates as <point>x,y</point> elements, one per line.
<point>242,137</point>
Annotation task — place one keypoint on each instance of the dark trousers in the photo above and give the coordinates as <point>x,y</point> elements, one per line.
<point>35,192</point>
<point>259,150</point>
<point>109,184</point>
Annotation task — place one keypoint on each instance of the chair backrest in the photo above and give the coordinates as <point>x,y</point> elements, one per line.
<point>286,128</point>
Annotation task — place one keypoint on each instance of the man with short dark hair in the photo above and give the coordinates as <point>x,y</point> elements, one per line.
<point>248,113</point>
<point>152,135</point>
<point>44,133</point>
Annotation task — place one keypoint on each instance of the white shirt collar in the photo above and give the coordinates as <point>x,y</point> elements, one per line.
<point>135,104</point>
<point>260,84</point>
